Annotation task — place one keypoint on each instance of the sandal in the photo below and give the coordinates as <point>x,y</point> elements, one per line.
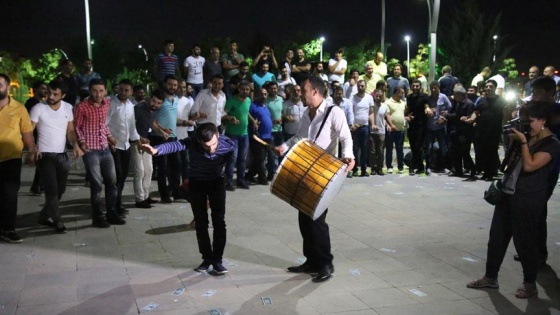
<point>483,283</point>
<point>526,291</point>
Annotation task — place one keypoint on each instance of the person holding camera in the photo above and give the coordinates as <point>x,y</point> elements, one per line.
<point>535,152</point>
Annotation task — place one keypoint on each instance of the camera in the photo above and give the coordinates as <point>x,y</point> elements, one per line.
<point>522,126</point>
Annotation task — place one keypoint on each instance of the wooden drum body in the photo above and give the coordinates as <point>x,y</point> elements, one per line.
<point>308,178</point>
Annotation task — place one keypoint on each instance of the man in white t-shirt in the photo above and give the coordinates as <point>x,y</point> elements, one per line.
<point>500,79</point>
<point>337,67</point>
<point>379,120</point>
<point>193,69</point>
<point>54,123</point>
<point>361,103</point>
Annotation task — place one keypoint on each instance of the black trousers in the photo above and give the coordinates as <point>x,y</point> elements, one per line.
<point>122,161</point>
<point>416,135</point>
<point>460,152</point>
<point>516,217</point>
<point>486,148</point>
<point>258,158</point>
<point>168,170</point>
<point>215,192</point>
<point>54,168</point>
<point>316,239</point>
<point>10,180</point>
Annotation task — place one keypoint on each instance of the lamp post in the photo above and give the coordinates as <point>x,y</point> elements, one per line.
<point>495,37</point>
<point>433,19</point>
<point>383,25</point>
<point>144,50</point>
<point>407,39</point>
<point>62,52</point>
<point>88,31</point>
<point>321,40</point>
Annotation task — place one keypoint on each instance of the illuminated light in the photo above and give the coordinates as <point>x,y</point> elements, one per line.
<point>510,96</point>
<point>522,74</point>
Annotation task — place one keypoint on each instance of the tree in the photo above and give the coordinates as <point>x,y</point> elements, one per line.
<point>468,43</point>
<point>357,55</point>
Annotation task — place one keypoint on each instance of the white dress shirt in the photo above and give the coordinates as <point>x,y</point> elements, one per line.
<point>335,129</point>
<point>211,105</point>
<point>121,122</point>
<point>184,108</point>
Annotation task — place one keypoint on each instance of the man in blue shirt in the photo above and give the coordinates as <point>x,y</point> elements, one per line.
<point>163,130</point>
<point>209,152</point>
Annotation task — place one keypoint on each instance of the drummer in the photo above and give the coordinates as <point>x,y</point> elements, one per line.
<point>316,239</point>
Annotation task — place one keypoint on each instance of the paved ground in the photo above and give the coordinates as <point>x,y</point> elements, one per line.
<point>402,245</point>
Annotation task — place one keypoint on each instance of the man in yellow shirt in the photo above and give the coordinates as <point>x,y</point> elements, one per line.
<point>15,126</point>
<point>379,67</point>
<point>369,78</point>
<point>395,136</point>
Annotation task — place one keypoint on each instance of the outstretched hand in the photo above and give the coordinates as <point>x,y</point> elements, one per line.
<point>149,149</point>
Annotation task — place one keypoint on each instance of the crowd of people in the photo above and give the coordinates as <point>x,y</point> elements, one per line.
<point>220,124</point>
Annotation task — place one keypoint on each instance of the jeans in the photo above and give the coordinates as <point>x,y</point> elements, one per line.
<point>360,137</point>
<point>376,151</point>
<point>213,191</point>
<point>395,138</point>
<point>122,161</point>
<point>238,159</point>
<point>439,136</point>
<point>196,89</point>
<point>54,168</point>
<point>101,168</point>
<point>10,180</point>
<point>143,168</point>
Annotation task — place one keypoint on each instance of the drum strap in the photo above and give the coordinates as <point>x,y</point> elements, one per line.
<point>323,123</point>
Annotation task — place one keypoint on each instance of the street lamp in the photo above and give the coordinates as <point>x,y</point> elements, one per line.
<point>144,50</point>
<point>383,25</point>
<point>433,19</point>
<point>61,52</point>
<point>88,31</point>
<point>407,39</point>
<point>495,37</point>
<point>321,40</point>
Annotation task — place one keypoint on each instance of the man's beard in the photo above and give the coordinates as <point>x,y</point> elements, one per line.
<point>3,95</point>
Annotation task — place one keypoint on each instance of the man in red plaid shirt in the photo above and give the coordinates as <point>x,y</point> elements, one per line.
<point>90,117</point>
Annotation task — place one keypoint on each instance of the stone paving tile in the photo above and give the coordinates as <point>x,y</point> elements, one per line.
<point>389,235</point>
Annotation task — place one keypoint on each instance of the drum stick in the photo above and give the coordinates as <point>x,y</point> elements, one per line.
<point>259,140</point>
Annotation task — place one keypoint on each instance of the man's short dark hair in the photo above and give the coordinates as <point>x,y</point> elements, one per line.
<point>547,84</point>
<point>434,83</point>
<point>195,45</point>
<point>57,84</point>
<point>159,94</point>
<point>381,83</point>
<point>205,132</point>
<point>417,82</point>
<point>217,76</point>
<point>167,42</point>
<point>138,87</point>
<point>397,88</point>
<point>64,62</point>
<point>271,83</point>
<point>233,41</point>
<point>317,83</point>
<point>243,83</point>
<point>493,82</point>
<point>354,70</point>
<point>96,81</point>
<point>338,88</point>
<point>170,77</point>
<point>243,64</point>
<point>37,84</point>
<point>126,82</point>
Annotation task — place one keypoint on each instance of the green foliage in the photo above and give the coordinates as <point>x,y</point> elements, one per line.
<point>509,66</point>
<point>391,64</point>
<point>312,49</point>
<point>419,63</point>
<point>467,40</point>
<point>47,67</point>
<point>357,55</point>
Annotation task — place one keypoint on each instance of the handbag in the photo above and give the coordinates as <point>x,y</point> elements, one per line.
<point>494,193</point>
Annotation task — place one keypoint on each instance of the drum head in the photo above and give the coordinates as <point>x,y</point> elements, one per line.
<point>332,189</point>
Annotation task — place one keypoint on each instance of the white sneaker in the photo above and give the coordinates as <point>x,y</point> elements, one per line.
<point>390,171</point>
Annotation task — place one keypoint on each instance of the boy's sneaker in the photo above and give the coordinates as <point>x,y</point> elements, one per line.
<point>60,228</point>
<point>203,267</point>
<point>11,237</point>
<point>219,269</point>
<point>390,170</point>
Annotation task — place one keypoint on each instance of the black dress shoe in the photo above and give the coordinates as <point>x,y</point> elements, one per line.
<point>100,223</point>
<point>143,204</point>
<point>151,200</point>
<point>324,274</point>
<point>304,268</point>
<point>115,220</point>
<point>242,185</point>
<point>229,187</point>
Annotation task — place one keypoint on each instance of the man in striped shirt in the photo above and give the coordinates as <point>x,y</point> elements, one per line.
<point>94,138</point>
<point>209,152</point>
<point>166,62</point>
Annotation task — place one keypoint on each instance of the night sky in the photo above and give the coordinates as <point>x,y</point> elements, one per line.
<point>32,27</point>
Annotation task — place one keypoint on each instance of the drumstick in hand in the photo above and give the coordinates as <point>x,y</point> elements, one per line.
<point>259,140</point>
